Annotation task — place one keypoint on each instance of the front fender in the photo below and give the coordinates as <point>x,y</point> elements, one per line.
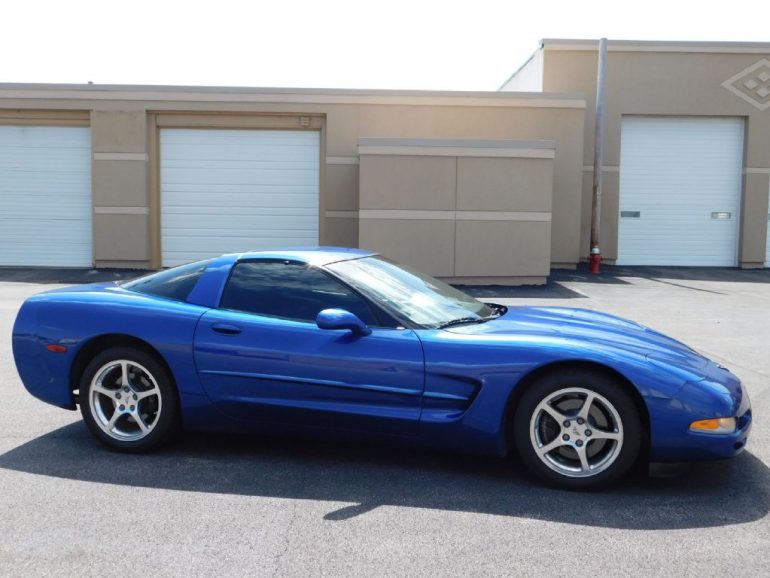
<point>485,371</point>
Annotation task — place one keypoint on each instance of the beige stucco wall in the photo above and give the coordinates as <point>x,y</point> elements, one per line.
<point>459,209</point>
<point>125,122</point>
<point>562,125</point>
<point>665,79</point>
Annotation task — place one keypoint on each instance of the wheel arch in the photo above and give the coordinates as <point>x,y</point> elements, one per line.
<point>102,342</point>
<point>575,365</point>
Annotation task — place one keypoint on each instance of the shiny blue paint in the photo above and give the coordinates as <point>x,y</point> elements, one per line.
<point>447,389</point>
<point>208,291</point>
<point>526,339</point>
<point>275,370</point>
<point>77,315</point>
<point>341,319</point>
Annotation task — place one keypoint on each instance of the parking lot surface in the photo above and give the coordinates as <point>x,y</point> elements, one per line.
<point>226,505</point>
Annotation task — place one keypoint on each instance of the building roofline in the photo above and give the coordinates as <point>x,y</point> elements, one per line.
<point>520,68</point>
<point>283,95</point>
<point>574,44</point>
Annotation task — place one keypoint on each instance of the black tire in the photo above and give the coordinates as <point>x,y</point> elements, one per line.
<point>534,427</point>
<point>151,398</point>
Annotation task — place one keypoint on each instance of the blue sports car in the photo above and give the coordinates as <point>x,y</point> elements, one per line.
<point>332,341</point>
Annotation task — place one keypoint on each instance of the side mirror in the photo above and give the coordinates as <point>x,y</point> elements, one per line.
<point>341,319</point>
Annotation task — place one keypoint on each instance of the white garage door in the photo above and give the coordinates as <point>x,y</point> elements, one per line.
<point>225,191</point>
<point>680,190</point>
<point>767,254</point>
<point>45,196</point>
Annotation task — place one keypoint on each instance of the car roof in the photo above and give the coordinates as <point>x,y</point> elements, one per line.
<point>310,255</point>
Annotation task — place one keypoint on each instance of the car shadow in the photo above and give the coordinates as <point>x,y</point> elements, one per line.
<point>366,477</point>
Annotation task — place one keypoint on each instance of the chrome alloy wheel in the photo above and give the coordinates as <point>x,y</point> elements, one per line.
<point>576,432</point>
<point>125,400</point>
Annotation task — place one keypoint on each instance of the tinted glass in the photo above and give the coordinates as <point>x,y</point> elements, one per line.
<point>290,291</point>
<point>420,298</point>
<point>173,283</point>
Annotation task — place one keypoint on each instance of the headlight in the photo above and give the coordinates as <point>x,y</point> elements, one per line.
<point>719,425</point>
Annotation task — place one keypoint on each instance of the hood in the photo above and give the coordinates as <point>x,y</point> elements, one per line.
<point>588,327</point>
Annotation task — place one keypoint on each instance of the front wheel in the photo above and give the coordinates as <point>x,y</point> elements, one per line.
<point>128,400</point>
<point>578,430</point>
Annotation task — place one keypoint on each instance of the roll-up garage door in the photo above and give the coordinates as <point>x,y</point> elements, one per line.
<point>680,191</point>
<point>45,196</point>
<point>226,191</point>
<point>767,253</point>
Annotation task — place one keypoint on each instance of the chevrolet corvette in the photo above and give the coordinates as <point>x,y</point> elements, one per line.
<point>346,343</point>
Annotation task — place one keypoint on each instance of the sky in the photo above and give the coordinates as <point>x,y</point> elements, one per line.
<point>396,44</point>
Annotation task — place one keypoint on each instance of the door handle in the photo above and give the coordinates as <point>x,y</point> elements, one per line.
<point>226,328</point>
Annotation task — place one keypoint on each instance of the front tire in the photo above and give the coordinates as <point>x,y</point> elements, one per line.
<point>578,430</point>
<point>128,400</point>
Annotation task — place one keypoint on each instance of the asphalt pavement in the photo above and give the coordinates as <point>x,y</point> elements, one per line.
<point>235,506</point>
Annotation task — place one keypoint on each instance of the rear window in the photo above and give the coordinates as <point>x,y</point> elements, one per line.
<point>173,283</point>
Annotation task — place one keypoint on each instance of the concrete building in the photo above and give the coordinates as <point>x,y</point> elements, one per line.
<point>487,187</point>
<point>686,152</point>
<point>463,185</point>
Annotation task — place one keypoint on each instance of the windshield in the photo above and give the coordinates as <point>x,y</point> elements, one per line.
<point>409,294</point>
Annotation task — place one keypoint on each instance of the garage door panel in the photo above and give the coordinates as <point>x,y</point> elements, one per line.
<point>228,151</point>
<point>224,164</point>
<point>767,239</point>
<point>45,196</point>
<point>67,218</point>
<point>201,167</point>
<point>196,238</point>
<point>234,190</point>
<point>225,178</point>
<point>246,223</point>
<point>767,254</point>
<point>236,137</point>
<point>24,232</point>
<point>675,174</point>
<point>251,210</point>
<point>197,242</point>
<point>193,192</point>
<point>246,200</point>
<point>191,249</point>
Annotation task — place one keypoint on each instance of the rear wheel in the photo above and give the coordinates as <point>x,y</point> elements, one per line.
<point>128,400</point>
<point>578,430</point>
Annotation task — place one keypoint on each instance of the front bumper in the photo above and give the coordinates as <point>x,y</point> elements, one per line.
<point>721,394</point>
<point>714,447</point>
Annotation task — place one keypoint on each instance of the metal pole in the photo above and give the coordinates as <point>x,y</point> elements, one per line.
<point>596,204</point>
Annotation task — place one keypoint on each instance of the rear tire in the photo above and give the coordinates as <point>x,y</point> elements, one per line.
<point>578,430</point>
<point>128,400</point>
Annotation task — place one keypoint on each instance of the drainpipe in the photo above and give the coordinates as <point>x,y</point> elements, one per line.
<point>595,258</point>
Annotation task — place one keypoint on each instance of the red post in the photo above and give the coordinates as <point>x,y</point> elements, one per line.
<point>596,263</point>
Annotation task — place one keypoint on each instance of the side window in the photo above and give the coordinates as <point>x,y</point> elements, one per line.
<point>289,291</point>
<point>176,283</point>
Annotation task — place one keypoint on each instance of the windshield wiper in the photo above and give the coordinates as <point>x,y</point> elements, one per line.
<point>462,321</point>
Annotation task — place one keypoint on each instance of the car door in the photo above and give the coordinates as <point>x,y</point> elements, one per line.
<point>261,356</point>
